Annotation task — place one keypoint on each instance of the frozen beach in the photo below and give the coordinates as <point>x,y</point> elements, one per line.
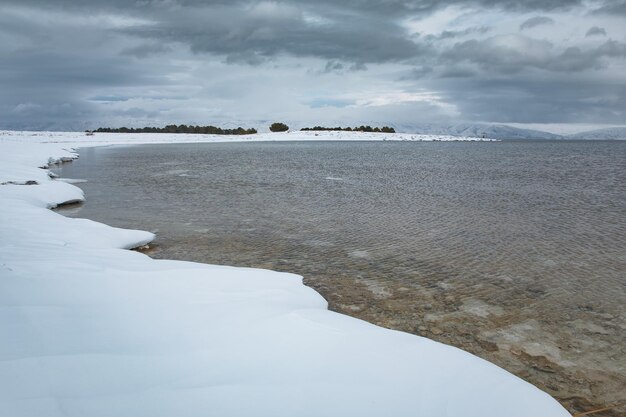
<point>91,328</point>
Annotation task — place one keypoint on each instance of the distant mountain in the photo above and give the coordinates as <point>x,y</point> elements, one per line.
<point>492,131</point>
<point>610,133</point>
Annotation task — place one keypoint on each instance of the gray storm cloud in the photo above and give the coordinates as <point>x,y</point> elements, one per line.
<point>595,31</point>
<point>536,21</point>
<point>92,63</point>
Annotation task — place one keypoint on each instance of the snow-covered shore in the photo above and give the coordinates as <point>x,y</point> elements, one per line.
<point>88,328</point>
<point>153,138</point>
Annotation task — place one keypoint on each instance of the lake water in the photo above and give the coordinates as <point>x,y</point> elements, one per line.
<point>515,251</point>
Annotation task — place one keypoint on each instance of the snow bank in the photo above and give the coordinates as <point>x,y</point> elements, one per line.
<point>90,329</point>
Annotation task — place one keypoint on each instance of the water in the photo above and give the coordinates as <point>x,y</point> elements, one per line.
<point>515,251</point>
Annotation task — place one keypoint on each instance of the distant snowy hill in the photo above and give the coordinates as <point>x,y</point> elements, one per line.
<point>492,131</point>
<point>504,132</point>
<point>611,133</point>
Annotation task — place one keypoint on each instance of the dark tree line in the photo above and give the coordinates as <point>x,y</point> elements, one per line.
<point>384,129</point>
<point>212,130</point>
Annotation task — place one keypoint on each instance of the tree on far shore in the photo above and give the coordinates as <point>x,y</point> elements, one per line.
<point>279,127</point>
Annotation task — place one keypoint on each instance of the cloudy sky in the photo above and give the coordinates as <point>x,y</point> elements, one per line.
<point>79,64</point>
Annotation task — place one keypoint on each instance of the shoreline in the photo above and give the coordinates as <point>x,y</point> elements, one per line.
<point>123,304</point>
<point>380,303</point>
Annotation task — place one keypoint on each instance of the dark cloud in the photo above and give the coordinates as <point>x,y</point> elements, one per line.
<point>506,54</point>
<point>388,7</point>
<point>512,54</point>
<point>454,34</point>
<point>417,73</point>
<point>576,59</point>
<point>357,66</point>
<point>146,49</point>
<point>612,7</point>
<point>245,58</point>
<point>253,31</point>
<point>536,21</point>
<point>595,31</point>
<point>333,66</point>
<point>339,68</point>
<point>457,71</point>
<point>270,29</point>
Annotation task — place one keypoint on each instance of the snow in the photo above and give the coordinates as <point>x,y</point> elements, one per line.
<point>548,131</point>
<point>609,133</point>
<point>81,139</point>
<point>495,131</point>
<point>88,328</point>
<point>562,129</point>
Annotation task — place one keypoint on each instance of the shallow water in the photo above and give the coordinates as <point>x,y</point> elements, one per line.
<point>515,251</point>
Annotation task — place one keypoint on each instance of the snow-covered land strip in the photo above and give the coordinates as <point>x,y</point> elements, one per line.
<point>88,328</point>
<point>80,139</point>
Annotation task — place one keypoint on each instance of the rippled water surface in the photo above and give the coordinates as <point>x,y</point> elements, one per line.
<point>515,251</point>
